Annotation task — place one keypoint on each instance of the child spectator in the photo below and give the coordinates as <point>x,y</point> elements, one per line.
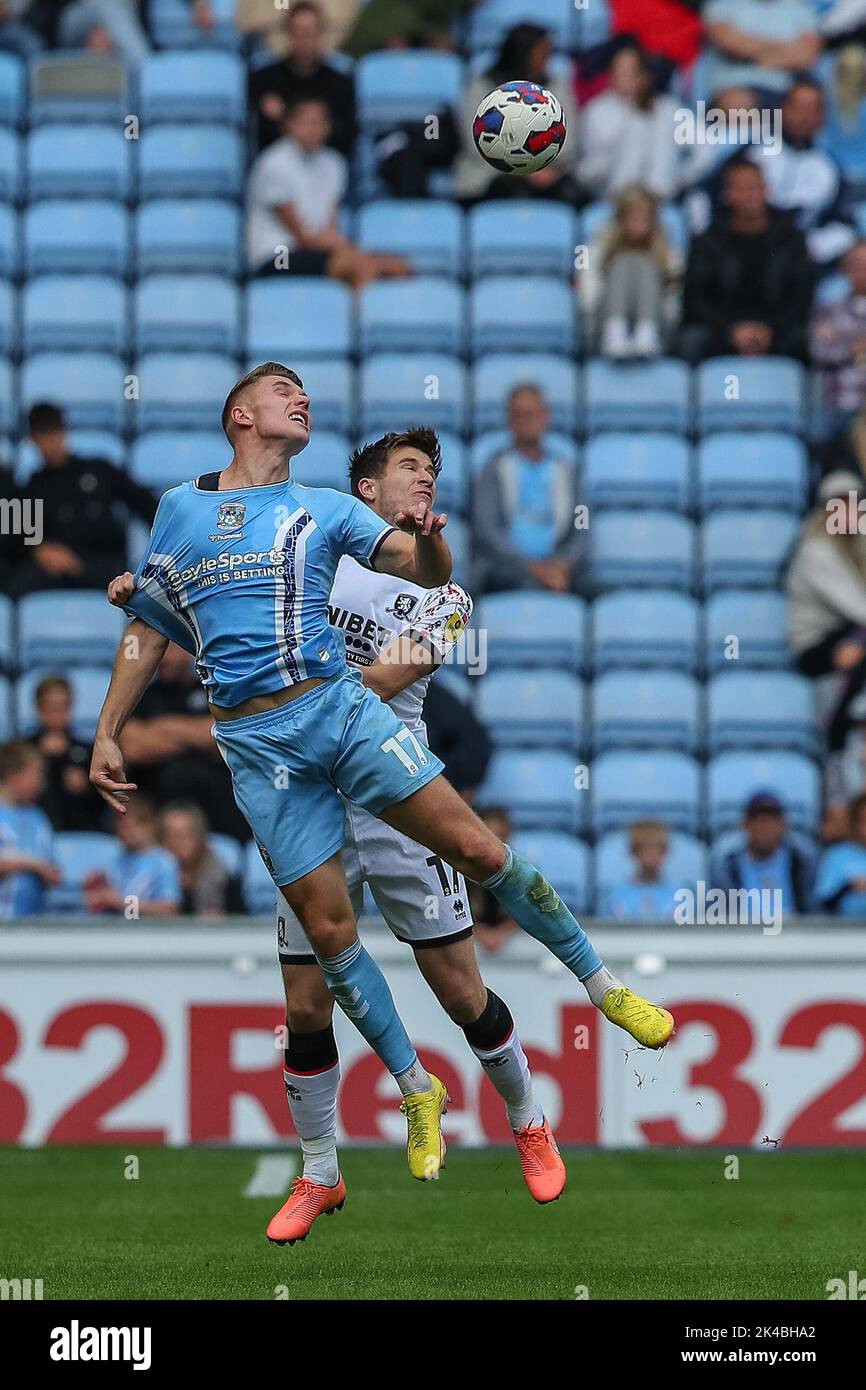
<point>648,896</point>
<point>207,888</point>
<point>143,879</point>
<point>69,800</point>
<point>767,857</point>
<point>26,847</point>
<point>628,284</point>
<point>840,886</point>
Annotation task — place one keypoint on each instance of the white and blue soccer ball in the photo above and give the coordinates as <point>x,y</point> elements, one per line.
<point>519,128</point>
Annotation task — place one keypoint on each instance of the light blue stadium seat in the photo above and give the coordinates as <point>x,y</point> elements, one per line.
<point>93,444</point>
<point>190,161</point>
<point>459,541</point>
<point>761,709</point>
<point>9,338</point>
<point>90,161</point>
<point>542,708</point>
<point>184,391</point>
<point>452,485</point>
<point>89,685</point>
<point>632,786</point>
<point>10,242</point>
<point>203,86</point>
<point>496,374</point>
<point>11,166</point>
<point>200,236</point>
<point>412,315</point>
<point>428,232</point>
<point>685,864</point>
<point>645,627</point>
<point>638,396</point>
<point>770,394</point>
<point>297,314</point>
<point>833,289</point>
<point>68,88</point>
<point>198,313</point>
<point>13,90</point>
<point>78,853</point>
<point>71,237</point>
<point>7,727</point>
<point>8,660</point>
<point>164,458</point>
<point>847,144</point>
<point>759,623</point>
<point>490,21</point>
<point>63,313</point>
<point>765,469</point>
<point>646,709</point>
<point>637,470</point>
<point>257,886</point>
<point>539,310</point>
<point>325,461</point>
<point>647,547</point>
<point>563,861</point>
<point>484,446</point>
<point>529,628</point>
<point>734,777</point>
<point>229,851</point>
<point>68,627</point>
<point>403,389</point>
<point>172,25</point>
<point>332,387</point>
<point>456,682</point>
<point>406,85</point>
<point>746,548</point>
<point>8,414</point>
<point>674,223</point>
<point>88,385</point>
<point>528,234</point>
<point>537,789</point>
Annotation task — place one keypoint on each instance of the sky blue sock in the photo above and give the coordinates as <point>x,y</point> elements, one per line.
<point>542,914</point>
<point>362,992</point>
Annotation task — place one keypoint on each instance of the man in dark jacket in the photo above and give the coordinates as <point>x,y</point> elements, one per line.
<point>304,75</point>
<point>749,279</point>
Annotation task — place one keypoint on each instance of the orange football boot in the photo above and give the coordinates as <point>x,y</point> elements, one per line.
<point>307,1200</point>
<point>540,1160</point>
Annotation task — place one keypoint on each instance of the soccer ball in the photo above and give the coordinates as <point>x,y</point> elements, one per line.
<point>519,128</point>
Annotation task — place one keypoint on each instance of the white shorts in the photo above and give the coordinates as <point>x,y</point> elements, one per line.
<point>423,901</point>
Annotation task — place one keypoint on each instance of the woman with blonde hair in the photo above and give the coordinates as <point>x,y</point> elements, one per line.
<point>631,278</point>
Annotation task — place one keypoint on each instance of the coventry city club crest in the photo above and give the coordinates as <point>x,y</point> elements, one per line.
<point>230,516</point>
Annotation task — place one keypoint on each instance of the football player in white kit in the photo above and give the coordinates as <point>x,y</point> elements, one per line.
<point>396,635</point>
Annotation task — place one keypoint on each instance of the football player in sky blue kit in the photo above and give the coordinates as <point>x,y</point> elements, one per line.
<point>239,570</point>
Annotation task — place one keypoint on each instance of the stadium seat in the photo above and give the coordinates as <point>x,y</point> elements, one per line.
<point>452,485</point>
<point>495,375</point>
<point>645,627</point>
<point>229,851</point>
<point>11,167</point>
<point>508,238</point>
<point>412,315</point>
<point>685,865</point>
<point>645,709</point>
<point>428,232</point>
<point>8,659</point>
<point>257,886</point>
<point>562,860</point>
<point>761,709</point>
<point>90,161</point>
<point>332,389</point>
<point>7,728</point>
<point>632,786</point>
<point>733,777</point>
<point>406,85</point>
<point>743,548</point>
<point>491,20</point>
<point>530,628</point>
<point>200,236</point>
<point>203,86</point>
<point>538,310</point>
<point>304,314</point>
<point>176,313</point>
<point>398,390</point>
<point>9,339</point>
<point>78,853</point>
<point>674,223</point>
<point>532,709</point>
<point>90,386</point>
<point>89,685</point>
<point>67,627</point>
<point>647,547</point>
<point>746,626</point>
<point>8,413</point>
<point>13,90</point>
<point>72,237</point>
<point>172,25</point>
<point>741,393</point>
<point>165,458</point>
<point>10,242</point>
<point>638,396</point>
<point>93,444</point>
<point>484,446</point>
<point>637,470</point>
<point>184,391</point>
<point>190,161</point>
<point>64,313</point>
<point>762,469</point>
<point>459,541</point>
<point>325,462</point>
<point>537,789</point>
<point>68,88</point>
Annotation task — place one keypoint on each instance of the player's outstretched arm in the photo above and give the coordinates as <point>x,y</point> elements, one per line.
<point>138,656</point>
<point>417,551</point>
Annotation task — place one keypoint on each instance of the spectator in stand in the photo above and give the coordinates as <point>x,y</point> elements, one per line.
<point>405,24</point>
<point>628,132</point>
<point>457,737</point>
<point>629,286</point>
<point>142,879</point>
<point>26,843</point>
<point>263,20</point>
<point>293,201</point>
<point>648,896</point>
<point>759,43</point>
<point>837,341</point>
<point>845,774</point>
<point>207,887</point>
<point>669,30</point>
<point>17,35</point>
<point>492,925</point>
<point>69,800</point>
<point>304,75</point>
<point>840,884</point>
<point>84,538</point>
<point>525,54</point>
<point>702,171</point>
<point>104,26</point>
<point>11,545</point>
<point>749,280</point>
<point>170,751</point>
<point>523,504</point>
<point>767,857</point>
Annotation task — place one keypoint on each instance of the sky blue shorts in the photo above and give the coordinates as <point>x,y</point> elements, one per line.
<point>289,764</point>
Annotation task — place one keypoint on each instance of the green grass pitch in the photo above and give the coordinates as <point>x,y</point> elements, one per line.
<point>629,1226</point>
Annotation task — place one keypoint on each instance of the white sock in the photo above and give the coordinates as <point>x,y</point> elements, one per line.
<point>313,1107</point>
<point>508,1069</point>
<point>597,985</point>
<point>414,1080</point>
<point>320,1160</point>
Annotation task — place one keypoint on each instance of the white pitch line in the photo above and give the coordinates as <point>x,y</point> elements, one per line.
<point>272,1176</point>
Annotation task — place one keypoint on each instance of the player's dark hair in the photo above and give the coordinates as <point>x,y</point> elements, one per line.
<point>15,755</point>
<point>265,369</point>
<point>369,460</point>
<point>45,418</point>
